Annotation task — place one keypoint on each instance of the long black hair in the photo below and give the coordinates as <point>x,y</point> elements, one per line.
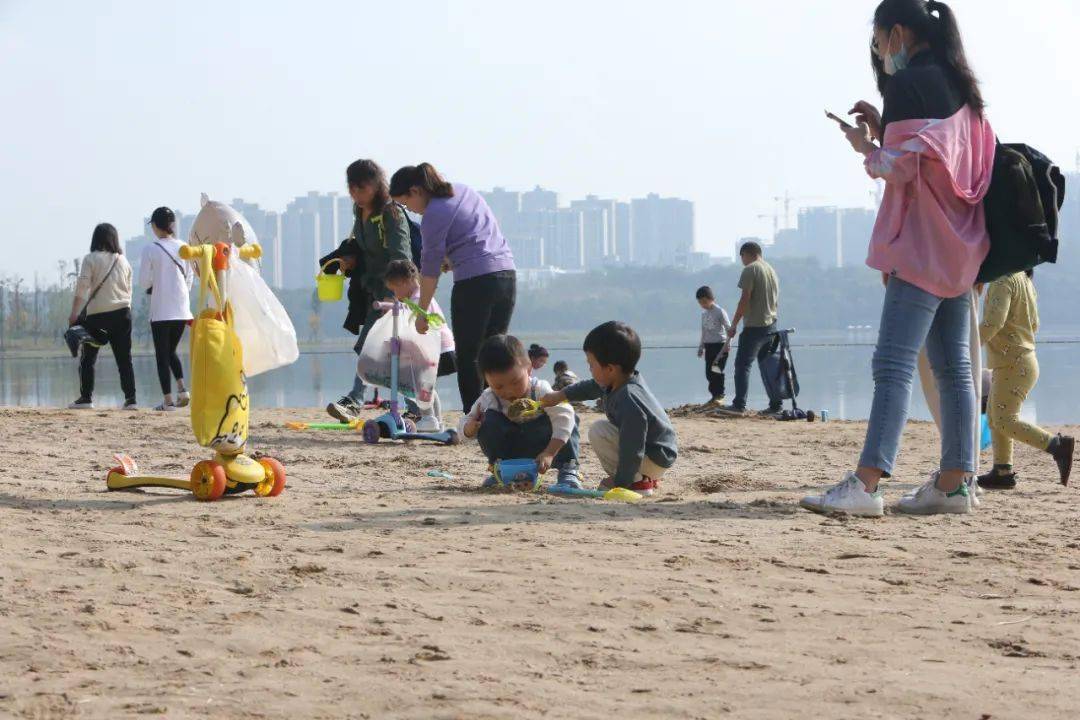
<point>934,23</point>
<point>423,176</point>
<point>364,172</point>
<point>105,239</point>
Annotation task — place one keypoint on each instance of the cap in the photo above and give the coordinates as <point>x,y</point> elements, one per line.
<point>163,219</point>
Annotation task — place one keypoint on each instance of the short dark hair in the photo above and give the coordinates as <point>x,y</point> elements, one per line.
<point>614,343</point>
<point>500,353</point>
<point>750,248</point>
<point>105,239</point>
<point>538,351</point>
<point>561,366</point>
<point>163,219</point>
<point>705,293</point>
<point>401,270</point>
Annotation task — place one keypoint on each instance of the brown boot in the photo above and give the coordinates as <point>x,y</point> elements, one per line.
<point>1061,449</point>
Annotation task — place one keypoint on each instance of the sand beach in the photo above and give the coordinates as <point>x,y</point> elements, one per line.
<point>370,590</point>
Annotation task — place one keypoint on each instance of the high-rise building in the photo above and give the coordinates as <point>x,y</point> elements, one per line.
<point>568,249</point>
<point>300,233</point>
<point>506,206</point>
<point>345,218</point>
<point>835,237</point>
<point>600,217</point>
<point>267,227</point>
<point>663,230</point>
<point>624,233</point>
<point>326,207</point>
<point>538,200</point>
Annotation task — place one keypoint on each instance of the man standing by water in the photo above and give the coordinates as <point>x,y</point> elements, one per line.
<point>757,311</point>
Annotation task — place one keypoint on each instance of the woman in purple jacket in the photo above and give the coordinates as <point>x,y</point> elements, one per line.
<point>459,228</point>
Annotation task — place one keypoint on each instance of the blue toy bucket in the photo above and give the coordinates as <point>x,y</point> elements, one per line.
<point>509,472</point>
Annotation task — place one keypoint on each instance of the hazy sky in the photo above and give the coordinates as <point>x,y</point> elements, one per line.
<point>113,108</point>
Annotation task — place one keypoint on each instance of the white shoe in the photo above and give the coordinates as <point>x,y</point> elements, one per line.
<point>429,424</point>
<point>165,408</point>
<point>848,496</point>
<point>974,491</point>
<point>183,399</point>
<point>928,500</point>
<point>81,405</point>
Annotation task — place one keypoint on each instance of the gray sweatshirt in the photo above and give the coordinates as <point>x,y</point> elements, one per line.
<point>644,427</point>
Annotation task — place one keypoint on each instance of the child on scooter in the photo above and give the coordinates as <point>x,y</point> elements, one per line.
<point>403,279</point>
<point>552,437</point>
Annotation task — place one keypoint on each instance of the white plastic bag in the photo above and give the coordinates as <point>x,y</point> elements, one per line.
<point>264,328</point>
<point>418,366</point>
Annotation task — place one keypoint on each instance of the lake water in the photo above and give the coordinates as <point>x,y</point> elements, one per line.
<point>833,378</point>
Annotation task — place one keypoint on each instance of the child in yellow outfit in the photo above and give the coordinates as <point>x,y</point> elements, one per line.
<point>1010,321</point>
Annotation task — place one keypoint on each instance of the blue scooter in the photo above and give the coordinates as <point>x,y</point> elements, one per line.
<point>391,425</point>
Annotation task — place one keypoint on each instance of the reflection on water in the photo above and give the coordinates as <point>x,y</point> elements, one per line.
<point>836,379</point>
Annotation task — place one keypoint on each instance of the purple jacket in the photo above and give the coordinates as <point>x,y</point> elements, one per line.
<point>463,230</point>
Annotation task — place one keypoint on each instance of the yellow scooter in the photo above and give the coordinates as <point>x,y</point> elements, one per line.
<point>219,396</point>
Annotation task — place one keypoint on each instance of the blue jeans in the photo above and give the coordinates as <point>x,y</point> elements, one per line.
<point>753,345</point>
<point>910,319</point>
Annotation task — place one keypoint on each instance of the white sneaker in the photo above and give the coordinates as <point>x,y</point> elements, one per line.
<point>81,404</point>
<point>429,424</point>
<point>974,491</point>
<point>183,399</point>
<point>848,496</point>
<point>928,500</point>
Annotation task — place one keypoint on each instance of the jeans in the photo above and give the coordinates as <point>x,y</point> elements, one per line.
<point>167,335</point>
<point>479,308</point>
<point>716,379</point>
<point>114,328</point>
<point>358,387</point>
<point>753,345</point>
<point>503,439</point>
<point>910,319</point>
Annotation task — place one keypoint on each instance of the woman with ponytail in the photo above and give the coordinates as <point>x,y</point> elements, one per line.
<point>934,149</point>
<point>459,228</point>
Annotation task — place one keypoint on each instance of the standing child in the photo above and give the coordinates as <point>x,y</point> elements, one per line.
<point>403,279</point>
<point>552,438</point>
<point>636,443</point>
<point>713,346</point>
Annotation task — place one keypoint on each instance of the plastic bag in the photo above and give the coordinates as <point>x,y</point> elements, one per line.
<point>418,364</point>
<point>261,323</point>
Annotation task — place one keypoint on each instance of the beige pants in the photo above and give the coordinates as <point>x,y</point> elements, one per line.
<point>929,382</point>
<point>604,439</point>
<point>1008,391</point>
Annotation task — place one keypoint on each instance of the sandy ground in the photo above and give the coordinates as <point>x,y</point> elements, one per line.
<point>369,590</point>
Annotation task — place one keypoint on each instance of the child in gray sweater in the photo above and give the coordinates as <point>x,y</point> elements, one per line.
<point>636,443</point>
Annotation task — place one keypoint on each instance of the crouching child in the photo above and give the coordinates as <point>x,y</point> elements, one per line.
<point>551,436</point>
<point>636,442</point>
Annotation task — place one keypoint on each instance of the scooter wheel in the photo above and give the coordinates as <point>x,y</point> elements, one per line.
<point>372,432</point>
<point>208,481</point>
<point>454,439</point>
<point>274,483</point>
<point>410,426</point>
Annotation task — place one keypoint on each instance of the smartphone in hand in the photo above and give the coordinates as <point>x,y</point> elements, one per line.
<point>839,120</point>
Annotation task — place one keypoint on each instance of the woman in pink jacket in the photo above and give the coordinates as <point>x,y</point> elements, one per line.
<point>934,149</point>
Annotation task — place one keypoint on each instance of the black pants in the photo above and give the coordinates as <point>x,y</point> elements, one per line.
<point>716,379</point>
<point>503,439</point>
<point>479,308</point>
<point>113,328</point>
<point>167,335</point>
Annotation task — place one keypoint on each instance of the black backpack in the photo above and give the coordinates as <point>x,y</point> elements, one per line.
<point>415,240</point>
<point>1026,193</point>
